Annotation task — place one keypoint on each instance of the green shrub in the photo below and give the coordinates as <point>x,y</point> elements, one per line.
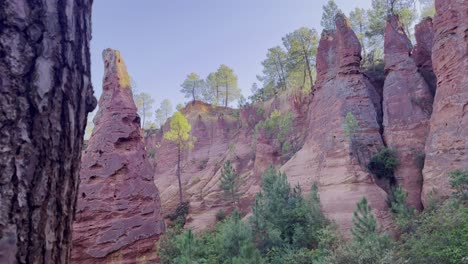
<point>439,236</point>
<point>230,182</point>
<point>351,125</point>
<point>220,215</point>
<point>179,216</point>
<point>282,217</point>
<point>277,127</point>
<point>383,164</point>
<point>459,182</point>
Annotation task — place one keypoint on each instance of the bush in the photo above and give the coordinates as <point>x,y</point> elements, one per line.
<point>220,215</point>
<point>440,236</point>
<point>179,216</point>
<point>383,164</point>
<point>459,182</point>
<point>282,217</point>
<point>277,127</point>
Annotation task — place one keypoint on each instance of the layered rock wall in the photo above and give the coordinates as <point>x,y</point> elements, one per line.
<point>407,107</point>
<point>329,157</point>
<point>447,143</point>
<point>118,218</point>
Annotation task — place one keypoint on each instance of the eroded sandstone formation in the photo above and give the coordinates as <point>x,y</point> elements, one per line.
<point>329,157</point>
<point>447,143</point>
<point>223,134</point>
<point>118,216</point>
<point>407,107</point>
<point>422,52</point>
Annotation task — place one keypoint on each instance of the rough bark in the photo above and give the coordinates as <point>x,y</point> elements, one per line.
<point>46,93</point>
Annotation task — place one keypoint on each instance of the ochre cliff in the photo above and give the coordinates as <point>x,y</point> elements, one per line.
<point>329,157</point>
<point>394,113</point>
<point>407,107</point>
<point>447,142</point>
<point>222,134</point>
<point>118,217</point>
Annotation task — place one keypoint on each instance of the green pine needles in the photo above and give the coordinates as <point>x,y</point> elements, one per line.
<point>364,223</point>
<point>230,182</point>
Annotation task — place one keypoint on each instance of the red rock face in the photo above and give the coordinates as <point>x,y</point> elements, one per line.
<point>222,134</point>
<point>118,214</point>
<point>329,157</point>
<point>447,143</point>
<point>422,52</point>
<point>407,106</point>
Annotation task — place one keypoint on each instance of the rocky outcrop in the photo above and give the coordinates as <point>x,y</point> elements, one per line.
<point>422,52</point>
<point>223,134</point>
<point>329,157</point>
<point>447,143</point>
<point>407,106</point>
<point>118,216</point>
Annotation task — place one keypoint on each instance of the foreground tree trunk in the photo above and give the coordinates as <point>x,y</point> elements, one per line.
<point>46,93</point>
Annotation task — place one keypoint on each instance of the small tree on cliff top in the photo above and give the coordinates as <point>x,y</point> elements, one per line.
<point>180,134</point>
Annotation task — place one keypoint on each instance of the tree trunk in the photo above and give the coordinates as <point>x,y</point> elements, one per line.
<point>181,198</point>
<point>227,95</point>
<point>306,58</point>
<point>46,94</point>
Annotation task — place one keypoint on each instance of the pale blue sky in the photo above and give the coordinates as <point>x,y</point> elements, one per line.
<point>163,41</point>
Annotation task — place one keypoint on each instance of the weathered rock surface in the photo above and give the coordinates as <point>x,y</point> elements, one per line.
<point>222,134</point>
<point>447,143</point>
<point>118,216</point>
<point>422,52</point>
<point>407,106</point>
<point>330,158</point>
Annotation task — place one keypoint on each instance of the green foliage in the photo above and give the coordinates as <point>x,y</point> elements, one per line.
<point>277,127</point>
<point>230,182</point>
<point>274,68</point>
<point>328,16</point>
<point>180,131</point>
<point>440,236</point>
<point>192,87</point>
<point>163,112</point>
<point>351,125</point>
<point>374,248</point>
<point>220,215</point>
<point>144,102</point>
<point>230,243</point>
<point>179,216</point>
<point>402,214</point>
<point>359,23</point>
<point>179,107</point>
<point>427,8</point>
<point>226,85</point>
<point>167,246</point>
<point>283,217</point>
<point>383,164</point>
<point>364,223</point>
<point>301,46</point>
<point>459,182</point>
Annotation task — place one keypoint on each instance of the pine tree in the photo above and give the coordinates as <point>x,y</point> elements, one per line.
<point>328,16</point>
<point>364,223</point>
<point>230,182</point>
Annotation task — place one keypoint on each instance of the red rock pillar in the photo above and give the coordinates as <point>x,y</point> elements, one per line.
<point>447,143</point>
<point>407,106</point>
<point>118,216</point>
